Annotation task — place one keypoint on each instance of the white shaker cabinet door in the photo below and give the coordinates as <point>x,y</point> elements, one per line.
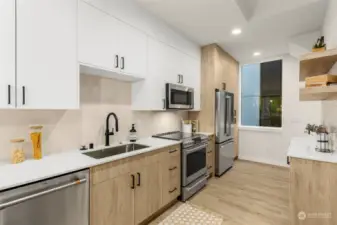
<point>133,53</point>
<point>99,35</point>
<point>150,93</point>
<point>47,64</point>
<point>191,77</point>
<point>7,54</point>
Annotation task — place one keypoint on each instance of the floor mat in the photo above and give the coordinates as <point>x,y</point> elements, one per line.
<point>187,214</point>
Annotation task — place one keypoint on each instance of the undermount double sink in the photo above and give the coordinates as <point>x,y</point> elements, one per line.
<point>117,150</point>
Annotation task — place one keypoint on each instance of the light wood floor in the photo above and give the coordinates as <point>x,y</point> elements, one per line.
<point>249,194</point>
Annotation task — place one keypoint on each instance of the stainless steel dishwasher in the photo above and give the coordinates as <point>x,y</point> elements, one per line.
<point>62,200</point>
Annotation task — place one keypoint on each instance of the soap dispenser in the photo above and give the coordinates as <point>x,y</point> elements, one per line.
<point>133,134</point>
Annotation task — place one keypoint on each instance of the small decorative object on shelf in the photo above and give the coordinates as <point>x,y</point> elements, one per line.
<point>320,45</point>
<point>322,136</point>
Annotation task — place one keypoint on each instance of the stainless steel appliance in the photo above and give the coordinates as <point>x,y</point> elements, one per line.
<point>224,129</point>
<point>193,160</point>
<point>179,97</point>
<point>61,200</point>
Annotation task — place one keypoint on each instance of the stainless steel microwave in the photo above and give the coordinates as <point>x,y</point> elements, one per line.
<point>179,97</point>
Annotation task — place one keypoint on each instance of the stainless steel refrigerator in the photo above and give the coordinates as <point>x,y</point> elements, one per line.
<point>224,130</point>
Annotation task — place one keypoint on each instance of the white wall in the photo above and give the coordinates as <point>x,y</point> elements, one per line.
<point>330,25</point>
<point>270,145</point>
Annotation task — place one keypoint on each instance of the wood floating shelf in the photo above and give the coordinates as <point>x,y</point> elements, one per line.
<point>318,93</point>
<point>317,63</point>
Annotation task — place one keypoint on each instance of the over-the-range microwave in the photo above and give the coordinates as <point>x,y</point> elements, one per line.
<point>179,97</point>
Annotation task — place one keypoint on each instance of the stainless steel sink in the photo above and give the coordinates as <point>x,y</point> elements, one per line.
<point>99,154</point>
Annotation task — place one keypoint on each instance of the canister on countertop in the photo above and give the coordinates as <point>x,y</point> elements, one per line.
<point>36,138</point>
<point>17,153</point>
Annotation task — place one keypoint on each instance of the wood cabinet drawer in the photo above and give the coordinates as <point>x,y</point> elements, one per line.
<point>174,150</point>
<point>174,186</point>
<point>174,161</point>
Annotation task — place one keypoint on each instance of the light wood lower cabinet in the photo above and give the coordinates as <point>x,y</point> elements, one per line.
<point>210,157</point>
<point>171,174</point>
<point>148,193</point>
<point>313,198</point>
<point>113,200</point>
<point>130,190</point>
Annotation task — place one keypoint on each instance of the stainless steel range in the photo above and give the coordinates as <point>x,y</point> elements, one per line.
<point>193,160</point>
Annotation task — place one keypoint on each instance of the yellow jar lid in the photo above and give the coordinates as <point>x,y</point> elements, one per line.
<point>36,127</point>
<point>17,140</point>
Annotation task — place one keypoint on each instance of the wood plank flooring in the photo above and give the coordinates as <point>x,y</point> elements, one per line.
<point>249,194</point>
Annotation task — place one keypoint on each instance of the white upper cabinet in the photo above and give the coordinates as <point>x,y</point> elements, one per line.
<point>47,64</point>
<point>98,38</point>
<point>106,43</point>
<point>164,65</point>
<point>7,54</point>
<point>133,51</point>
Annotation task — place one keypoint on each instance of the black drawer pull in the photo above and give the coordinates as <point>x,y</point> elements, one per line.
<point>210,151</point>
<point>173,168</point>
<point>133,181</point>
<point>174,189</point>
<point>9,94</point>
<point>171,151</point>
<point>209,167</point>
<point>138,179</point>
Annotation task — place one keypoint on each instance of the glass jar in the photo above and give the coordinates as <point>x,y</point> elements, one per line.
<point>35,136</point>
<point>17,153</point>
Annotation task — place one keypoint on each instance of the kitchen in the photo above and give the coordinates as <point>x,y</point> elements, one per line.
<point>141,62</point>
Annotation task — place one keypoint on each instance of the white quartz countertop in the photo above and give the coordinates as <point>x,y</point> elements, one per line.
<point>304,148</point>
<point>12,175</point>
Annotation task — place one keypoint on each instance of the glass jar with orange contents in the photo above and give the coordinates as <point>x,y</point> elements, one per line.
<point>18,154</point>
<point>36,138</point>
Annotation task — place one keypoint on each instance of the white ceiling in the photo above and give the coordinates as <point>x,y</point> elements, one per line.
<point>267,25</point>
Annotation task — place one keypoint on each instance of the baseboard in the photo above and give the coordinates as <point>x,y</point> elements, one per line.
<point>262,161</point>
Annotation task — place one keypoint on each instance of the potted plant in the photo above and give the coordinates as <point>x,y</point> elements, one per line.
<point>322,136</point>
<point>320,45</point>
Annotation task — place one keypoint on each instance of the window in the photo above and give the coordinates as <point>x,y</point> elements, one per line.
<point>261,94</point>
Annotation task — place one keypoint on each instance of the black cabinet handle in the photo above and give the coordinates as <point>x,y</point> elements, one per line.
<point>209,151</point>
<point>122,63</point>
<point>288,160</point>
<point>172,151</point>
<point>9,94</point>
<point>23,95</point>
<point>138,179</point>
<point>133,181</point>
<point>209,167</point>
<point>178,78</point>
<point>174,189</point>
<point>173,168</point>
<point>164,103</point>
<point>116,61</point>
<point>182,79</point>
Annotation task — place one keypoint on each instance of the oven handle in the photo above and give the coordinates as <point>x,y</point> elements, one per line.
<point>29,197</point>
<point>195,149</point>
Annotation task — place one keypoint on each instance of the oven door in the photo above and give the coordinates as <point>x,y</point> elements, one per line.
<point>194,163</point>
<point>179,97</point>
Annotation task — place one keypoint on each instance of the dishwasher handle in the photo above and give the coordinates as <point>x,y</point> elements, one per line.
<point>29,197</point>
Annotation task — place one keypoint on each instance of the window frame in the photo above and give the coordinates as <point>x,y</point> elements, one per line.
<point>259,128</point>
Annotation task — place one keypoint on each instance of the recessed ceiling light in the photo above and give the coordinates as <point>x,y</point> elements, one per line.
<point>236,31</point>
<point>257,53</point>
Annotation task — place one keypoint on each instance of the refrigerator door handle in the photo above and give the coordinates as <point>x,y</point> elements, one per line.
<point>228,116</point>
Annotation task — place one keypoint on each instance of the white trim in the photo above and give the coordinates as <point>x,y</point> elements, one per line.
<point>261,129</point>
